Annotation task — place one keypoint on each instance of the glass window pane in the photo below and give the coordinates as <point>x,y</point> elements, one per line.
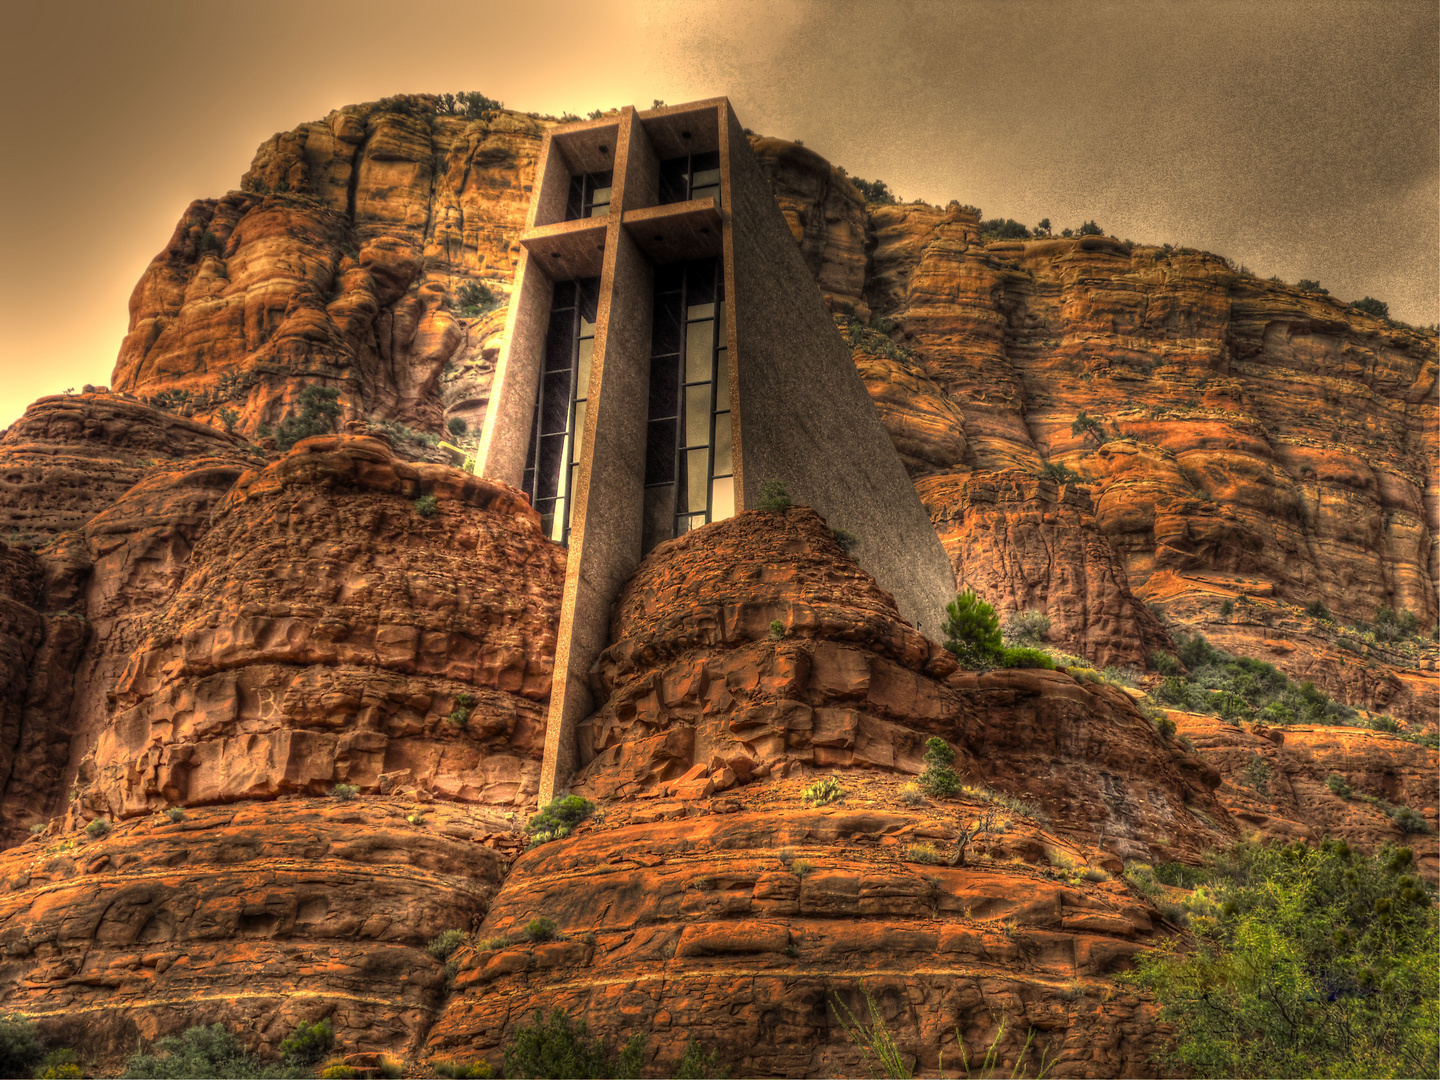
<point>699,351</point>
<point>700,311</point>
<point>556,408</point>
<point>582,367</point>
<point>660,452</point>
<point>722,382</point>
<point>564,295</point>
<point>672,180</point>
<point>547,522</point>
<point>664,387</point>
<point>708,192</point>
<point>697,415</point>
<point>700,281</point>
<point>576,200</point>
<point>588,297</point>
<point>722,499</point>
<point>602,194</point>
<point>600,210</point>
<point>579,430</point>
<point>720,324</point>
<point>697,469</point>
<point>547,476</point>
<point>723,457</point>
<point>560,340</point>
<point>665,329</point>
<point>574,476</point>
<point>557,522</point>
<point>694,521</point>
<point>708,160</point>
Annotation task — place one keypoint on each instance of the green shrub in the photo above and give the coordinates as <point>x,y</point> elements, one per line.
<point>822,792</point>
<point>459,716</point>
<point>197,1052</point>
<point>346,792</point>
<point>1336,783</point>
<point>553,1047</point>
<point>1316,609</point>
<point>20,1046</point>
<point>773,497</point>
<point>1061,474</point>
<point>801,867</point>
<point>1026,658</point>
<point>873,191</point>
<point>848,542</point>
<point>1227,608</point>
<point>972,632</point>
<point>1088,427</point>
<point>698,1065</point>
<point>540,929</point>
<point>339,1072</point>
<point>308,1043</point>
<point>1256,774</point>
<point>1307,961</point>
<point>427,506</point>
<point>556,820</point>
<point>1002,229</point>
<point>1410,821</point>
<point>175,814</point>
<point>98,828</point>
<point>1025,628</point>
<point>229,418</point>
<point>1311,286</point>
<point>777,629</point>
<point>59,1065</point>
<point>445,943</point>
<point>1090,229</point>
<point>937,779</point>
<point>457,426</point>
<point>319,409</point>
<point>924,853</point>
<point>454,1070</point>
<point>1371,306</point>
<point>1165,664</point>
<point>474,299</point>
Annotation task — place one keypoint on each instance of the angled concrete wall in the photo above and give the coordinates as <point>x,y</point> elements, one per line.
<point>804,416</point>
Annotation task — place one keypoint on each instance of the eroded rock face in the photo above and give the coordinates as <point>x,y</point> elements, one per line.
<point>257,916</point>
<point>340,262</point>
<point>321,638</point>
<point>749,659</point>
<point>1276,783</point>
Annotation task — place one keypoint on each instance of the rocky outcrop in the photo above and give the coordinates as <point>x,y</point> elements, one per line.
<point>749,659</point>
<point>341,262</point>
<point>256,916</point>
<point>1276,783</point>
<point>327,631</point>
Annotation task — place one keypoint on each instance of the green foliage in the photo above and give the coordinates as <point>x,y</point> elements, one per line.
<point>346,792</point>
<point>801,867</point>
<point>1042,227</point>
<point>1227,608</point>
<point>319,409</point>
<point>877,1047</point>
<point>1308,962</point>
<point>847,540</point>
<point>197,1052</point>
<point>454,1070</point>
<point>1165,664</point>
<point>558,817</point>
<point>874,191</point>
<point>541,928</point>
<point>209,244</point>
<point>98,828</point>
<point>427,506</point>
<point>698,1065</point>
<point>937,779</point>
<point>1370,306</point>
<point>475,298</point>
<point>339,1072</point>
<point>972,631</point>
<point>308,1043</point>
<point>1390,625</point>
<point>1316,609</point>
<point>773,497</point>
<point>59,1065</point>
<point>1025,628</point>
<point>1061,474</point>
<point>822,792</point>
<point>1310,286</point>
<point>1003,229</point>
<point>777,629</point>
<point>1336,783</point>
<point>1086,425</point>
<point>229,418</point>
<point>175,814</point>
<point>552,1048</point>
<point>1237,688</point>
<point>445,943</point>
<point>457,426</point>
<point>1256,774</point>
<point>1022,657</point>
<point>20,1046</point>
<point>459,716</point>
<point>1090,229</point>
<point>924,853</point>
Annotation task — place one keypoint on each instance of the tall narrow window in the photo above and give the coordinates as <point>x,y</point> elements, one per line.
<point>693,176</point>
<point>558,431</point>
<point>689,460</point>
<point>589,196</point>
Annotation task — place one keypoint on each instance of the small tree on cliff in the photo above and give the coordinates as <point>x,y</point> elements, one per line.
<point>1088,427</point>
<point>319,409</point>
<point>972,631</point>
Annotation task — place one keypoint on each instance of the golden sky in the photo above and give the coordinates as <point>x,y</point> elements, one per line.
<point>1298,138</point>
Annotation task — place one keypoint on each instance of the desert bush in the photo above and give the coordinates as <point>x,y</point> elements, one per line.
<point>1165,664</point>
<point>558,818</point>
<point>1090,229</point>
<point>924,853</point>
<point>457,426</point>
<point>1316,609</point>
<point>454,1070</point>
<point>1370,306</point>
<point>698,1065</point>
<point>773,497</point>
<point>911,793</point>
<point>445,943</point>
<point>1087,426</point>
<point>777,629</point>
<point>1026,658</point>
<point>98,828</point>
<point>1061,474</point>
<point>801,867</point>
<point>1307,961</point>
<point>1311,286</point>
<point>175,814</point>
<point>972,631</point>
<point>346,792</point>
<point>847,540</point>
<point>427,506</point>
<point>874,191</point>
<point>319,409</point>
<point>1025,628</point>
<point>308,1043</point>
<point>540,928</point>
<point>197,1052</point>
<point>20,1046</point>
<point>1410,821</point>
<point>822,792</point>
<point>555,1047</point>
<point>937,779</point>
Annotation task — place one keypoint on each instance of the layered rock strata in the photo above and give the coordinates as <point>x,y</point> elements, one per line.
<point>749,659</point>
